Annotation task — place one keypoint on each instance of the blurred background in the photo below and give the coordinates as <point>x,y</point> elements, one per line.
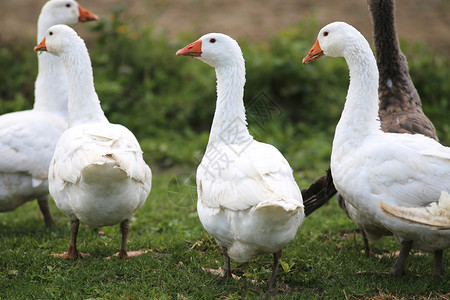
<point>258,20</point>
<point>169,101</point>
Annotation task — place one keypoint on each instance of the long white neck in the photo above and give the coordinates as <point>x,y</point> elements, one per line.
<point>50,88</point>
<point>229,125</point>
<point>360,115</point>
<point>84,105</point>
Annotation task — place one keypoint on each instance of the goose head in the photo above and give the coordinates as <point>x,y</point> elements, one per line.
<point>58,39</point>
<point>335,39</point>
<point>215,49</point>
<point>65,12</point>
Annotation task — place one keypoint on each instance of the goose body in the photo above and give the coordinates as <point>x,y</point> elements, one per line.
<point>248,199</point>
<point>26,155</point>
<point>400,174</point>
<point>255,207</point>
<point>97,174</point>
<point>369,165</point>
<point>28,138</point>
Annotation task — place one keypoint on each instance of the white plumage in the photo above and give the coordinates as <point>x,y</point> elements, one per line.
<point>247,196</point>
<point>97,174</point>
<point>435,215</point>
<point>26,148</point>
<point>251,206</point>
<point>28,138</point>
<point>369,165</point>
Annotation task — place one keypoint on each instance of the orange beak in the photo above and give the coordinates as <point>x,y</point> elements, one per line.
<point>85,15</point>
<point>194,49</point>
<point>313,54</point>
<point>41,46</point>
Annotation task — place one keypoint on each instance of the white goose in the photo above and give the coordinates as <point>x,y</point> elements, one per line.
<point>247,196</point>
<point>28,138</point>
<point>400,105</point>
<point>97,174</point>
<point>369,165</point>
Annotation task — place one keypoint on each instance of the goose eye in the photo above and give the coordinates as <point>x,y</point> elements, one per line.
<point>50,33</point>
<point>212,40</point>
<point>325,33</point>
<point>68,5</point>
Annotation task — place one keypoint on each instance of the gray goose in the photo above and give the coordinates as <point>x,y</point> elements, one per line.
<point>400,105</point>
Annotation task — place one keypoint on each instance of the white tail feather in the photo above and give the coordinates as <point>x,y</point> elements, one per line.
<point>435,215</point>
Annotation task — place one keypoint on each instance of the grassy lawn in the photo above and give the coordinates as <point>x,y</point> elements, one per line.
<point>321,262</point>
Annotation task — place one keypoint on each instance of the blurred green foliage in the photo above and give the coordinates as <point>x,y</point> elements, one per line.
<point>169,101</point>
<point>18,65</point>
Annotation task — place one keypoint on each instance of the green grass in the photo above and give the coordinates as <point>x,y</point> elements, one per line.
<point>321,262</point>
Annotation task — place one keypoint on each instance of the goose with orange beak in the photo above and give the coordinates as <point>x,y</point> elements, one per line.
<point>248,199</point>
<point>384,175</point>
<point>97,175</point>
<point>28,138</point>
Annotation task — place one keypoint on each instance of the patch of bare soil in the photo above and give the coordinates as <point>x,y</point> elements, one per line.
<point>258,20</point>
